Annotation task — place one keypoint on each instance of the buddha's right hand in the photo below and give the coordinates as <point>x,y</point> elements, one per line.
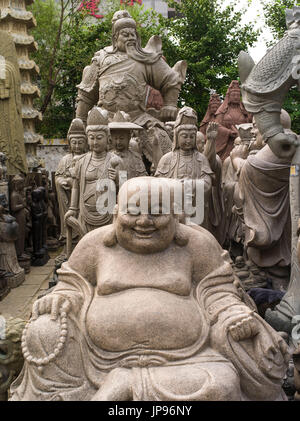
<point>50,304</point>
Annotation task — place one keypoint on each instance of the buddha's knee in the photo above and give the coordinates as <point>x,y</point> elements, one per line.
<point>42,336</point>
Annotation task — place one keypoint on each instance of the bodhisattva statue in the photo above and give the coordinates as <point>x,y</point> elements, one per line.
<point>148,309</point>
<point>120,130</point>
<point>8,235</point>
<point>185,162</point>
<point>118,76</point>
<point>63,176</point>
<point>95,165</point>
<point>230,113</point>
<point>213,105</point>
<point>39,257</point>
<point>11,127</point>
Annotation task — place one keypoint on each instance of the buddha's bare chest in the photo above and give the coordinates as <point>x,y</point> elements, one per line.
<point>171,272</point>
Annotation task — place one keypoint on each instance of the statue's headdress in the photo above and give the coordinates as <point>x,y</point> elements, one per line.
<point>97,119</point>
<point>76,128</point>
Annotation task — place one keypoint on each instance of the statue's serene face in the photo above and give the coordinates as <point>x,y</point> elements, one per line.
<point>235,97</point>
<point>120,139</point>
<point>187,139</point>
<point>77,144</point>
<point>126,37</point>
<point>143,231</point>
<point>97,141</point>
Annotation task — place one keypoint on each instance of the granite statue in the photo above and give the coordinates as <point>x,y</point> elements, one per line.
<point>185,162</point>
<point>83,215</point>
<point>63,176</point>
<point>206,341</point>
<point>119,76</point>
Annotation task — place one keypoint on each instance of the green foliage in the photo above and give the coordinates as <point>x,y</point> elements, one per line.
<point>209,37</point>
<point>275,18</point>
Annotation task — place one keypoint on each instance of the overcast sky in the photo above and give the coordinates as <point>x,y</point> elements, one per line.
<point>255,13</point>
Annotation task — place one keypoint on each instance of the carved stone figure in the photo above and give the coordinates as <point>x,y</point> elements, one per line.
<point>210,115</point>
<point>11,127</point>
<point>4,284</point>
<point>185,162</point>
<point>119,75</point>
<point>230,113</point>
<point>8,235</point>
<point>205,342</point>
<point>17,207</point>
<point>263,193</point>
<point>120,130</point>
<point>95,165</point>
<point>216,220</point>
<point>39,257</point>
<point>265,85</point>
<point>11,360</point>
<point>63,175</point>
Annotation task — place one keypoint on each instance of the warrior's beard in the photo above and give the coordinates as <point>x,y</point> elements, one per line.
<point>138,54</point>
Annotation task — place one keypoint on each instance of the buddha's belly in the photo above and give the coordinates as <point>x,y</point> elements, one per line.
<point>143,318</point>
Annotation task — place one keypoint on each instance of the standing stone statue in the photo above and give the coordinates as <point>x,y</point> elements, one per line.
<point>148,309</point>
<point>63,176</point>
<point>118,76</point>
<point>230,113</point>
<point>120,130</point>
<point>264,88</point>
<point>213,105</point>
<point>37,215</point>
<point>95,165</point>
<point>11,127</point>
<point>8,235</point>
<point>185,162</point>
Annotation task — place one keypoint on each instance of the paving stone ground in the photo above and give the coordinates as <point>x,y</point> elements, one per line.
<point>18,303</point>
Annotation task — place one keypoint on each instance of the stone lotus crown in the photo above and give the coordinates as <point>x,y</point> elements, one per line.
<point>97,117</point>
<point>76,128</point>
<point>214,98</point>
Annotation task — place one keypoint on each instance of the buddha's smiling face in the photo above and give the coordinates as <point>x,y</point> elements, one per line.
<point>139,228</point>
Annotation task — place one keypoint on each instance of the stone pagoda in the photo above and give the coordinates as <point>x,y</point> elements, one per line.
<point>15,19</point>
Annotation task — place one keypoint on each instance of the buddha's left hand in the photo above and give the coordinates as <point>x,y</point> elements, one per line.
<point>244,328</point>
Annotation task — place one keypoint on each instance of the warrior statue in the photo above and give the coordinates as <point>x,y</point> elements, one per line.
<point>119,76</point>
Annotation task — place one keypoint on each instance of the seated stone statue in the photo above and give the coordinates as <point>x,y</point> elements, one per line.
<point>147,309</point>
